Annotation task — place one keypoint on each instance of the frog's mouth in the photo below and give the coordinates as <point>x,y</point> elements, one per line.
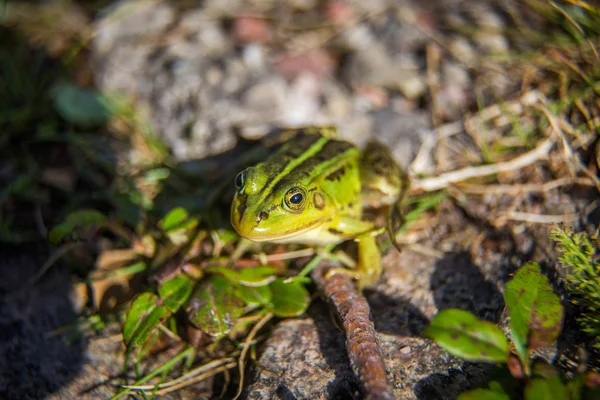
<point>253,231</point>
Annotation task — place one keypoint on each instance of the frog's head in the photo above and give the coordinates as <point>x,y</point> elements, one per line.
<point>266,208</point>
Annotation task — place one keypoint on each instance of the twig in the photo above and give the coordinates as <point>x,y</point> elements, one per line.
<point>225,368</point>
<point>291,254</point>
<point>541,218</point>
<point>524,188</point>
<point>61,251</point>
<point>249,340</point>
<point>574,161</point>
<point>448,178</point>
<point>198,371</point>
<point>432,53</point>
<point>363,349</point>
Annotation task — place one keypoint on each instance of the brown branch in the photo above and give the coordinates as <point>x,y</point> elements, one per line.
<point>363,349</point>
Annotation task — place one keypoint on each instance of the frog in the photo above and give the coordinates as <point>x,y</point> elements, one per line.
<point>314,190</point>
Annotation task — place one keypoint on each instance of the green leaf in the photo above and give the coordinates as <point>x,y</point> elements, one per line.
<point>461,334</point>
<point>143,318</point>
<point>215,307</point>
<point>76,220</point>
<point>290,298</point>
<point>78,105</point>
<point>540,388</point>
<point>255,296</point>
<point>258,276</point>
<point>175,219</point>
<point>534,310</point>
<point>176,291</point>
<point>57,233</point>
<point>226,235</point>
<point>177,224</point>
<point>483,394</point>
<point>156,175</point>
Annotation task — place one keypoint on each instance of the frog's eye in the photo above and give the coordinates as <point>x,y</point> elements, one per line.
<point>240,181</point>
<point>295,199</point>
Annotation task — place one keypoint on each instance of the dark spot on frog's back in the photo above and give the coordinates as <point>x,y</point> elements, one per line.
<point>336,175</point>
<point>292,152</point>
<point>335,231</point>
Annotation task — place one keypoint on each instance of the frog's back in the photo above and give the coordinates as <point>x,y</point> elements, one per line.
<point>329,166</point>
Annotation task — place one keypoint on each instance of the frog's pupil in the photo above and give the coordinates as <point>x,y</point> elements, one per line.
<point>296,199</point>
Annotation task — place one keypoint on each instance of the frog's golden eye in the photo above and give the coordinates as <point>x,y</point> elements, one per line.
<point>240,181</point>
<point>295,199</point>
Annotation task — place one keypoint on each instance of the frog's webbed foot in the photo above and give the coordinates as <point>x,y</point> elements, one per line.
<point>368,267</point>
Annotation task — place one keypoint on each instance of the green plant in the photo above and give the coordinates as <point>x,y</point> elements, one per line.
<point>580,259</point>
<point>536,316</point>
<point>193,288</point>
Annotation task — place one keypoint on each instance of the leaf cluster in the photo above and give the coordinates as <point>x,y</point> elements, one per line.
<point>536,317</point>
<point>193,289</point>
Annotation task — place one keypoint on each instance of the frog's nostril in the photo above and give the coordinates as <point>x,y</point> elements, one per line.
<point>263,216</point>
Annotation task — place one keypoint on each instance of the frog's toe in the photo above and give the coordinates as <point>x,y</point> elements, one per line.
<point>363,279</point>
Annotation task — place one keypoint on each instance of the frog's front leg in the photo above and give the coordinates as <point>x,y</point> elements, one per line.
<point>368,267</point>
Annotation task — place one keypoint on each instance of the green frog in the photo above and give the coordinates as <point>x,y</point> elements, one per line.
<point>314,189</point>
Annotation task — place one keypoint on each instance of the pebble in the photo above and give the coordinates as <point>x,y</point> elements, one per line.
<point>254,58</point>
<point>266,95</point>
<point>492,43</point>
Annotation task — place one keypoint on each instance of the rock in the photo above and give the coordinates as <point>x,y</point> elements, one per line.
<point>266,96</point>
<point>454,91</point>
<point>251,30</point>
<point>301,104</point>
<point>462,49</point>
<point>127,20</point>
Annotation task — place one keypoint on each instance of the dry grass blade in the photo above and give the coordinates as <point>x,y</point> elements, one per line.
<point>573,159</point>
<point>225,368</point>
<point>190,377</point>
<point>524,188</point>
<point>61,251</point>
<point>541,218</point>
<point>247,343</point>
<point>290,255</point>
<point>446,179</point>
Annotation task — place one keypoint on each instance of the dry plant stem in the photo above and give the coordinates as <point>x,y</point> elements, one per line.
<point>541,218</point>
<point>189,376</point>
<point>361,340</point>
<point>524,188</point>
<point>249,341</point>
<point>449,178</point>
<point>573,159</point>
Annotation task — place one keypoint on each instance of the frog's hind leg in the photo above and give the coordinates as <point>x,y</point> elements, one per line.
<point>397,213</point>
<point>384,185</point>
